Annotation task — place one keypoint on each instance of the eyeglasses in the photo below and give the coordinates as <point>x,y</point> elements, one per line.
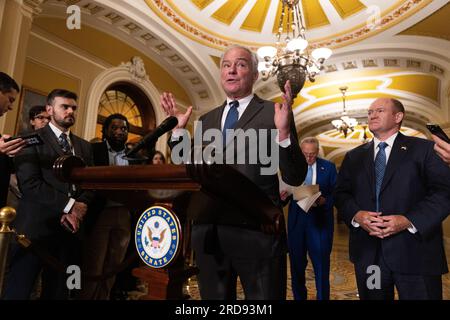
<point>42,118</point>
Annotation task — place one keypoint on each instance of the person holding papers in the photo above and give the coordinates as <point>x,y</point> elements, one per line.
<point>311,230</point>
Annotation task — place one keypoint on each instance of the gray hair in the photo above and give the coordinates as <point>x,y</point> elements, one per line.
<point>312,140</point>
<point>254,59</point>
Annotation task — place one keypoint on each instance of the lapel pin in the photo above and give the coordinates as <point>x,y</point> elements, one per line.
<point>404,148</point>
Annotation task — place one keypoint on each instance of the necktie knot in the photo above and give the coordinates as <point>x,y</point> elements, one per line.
<point>382,145</point>
<point>234,104</point>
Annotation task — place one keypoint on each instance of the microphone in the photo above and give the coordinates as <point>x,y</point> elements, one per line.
<point>167,125</point>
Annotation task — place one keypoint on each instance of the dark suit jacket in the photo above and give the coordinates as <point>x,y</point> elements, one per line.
<point>416,184</point>
<point>45,196</point>
<point>326,179</point>
<point>5,172</point>
<point>258,115</point>
<point>204,209</point>
<point>101,158</point>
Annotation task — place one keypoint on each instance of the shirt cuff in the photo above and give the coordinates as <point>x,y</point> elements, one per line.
<point>285,143</point>
<point>412,229</point>
<point>69,205</point>
<point>354,223</point>
<point>177,134</point>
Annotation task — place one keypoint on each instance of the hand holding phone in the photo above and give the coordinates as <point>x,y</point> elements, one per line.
<point>10,148</point>
<point>438,132</point>
<point>30,139</point>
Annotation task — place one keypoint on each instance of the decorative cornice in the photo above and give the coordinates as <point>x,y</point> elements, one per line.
<point>32,7</point>
<point>210,38</point>
<point>136,67</point>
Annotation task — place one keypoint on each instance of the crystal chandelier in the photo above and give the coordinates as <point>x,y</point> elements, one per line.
<point>290,59</point>
<point>345,123</point>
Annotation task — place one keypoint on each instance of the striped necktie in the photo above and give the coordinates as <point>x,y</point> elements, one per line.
<point>380,167</point>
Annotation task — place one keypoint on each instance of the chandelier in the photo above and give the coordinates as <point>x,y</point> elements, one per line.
<point>290,59</point>
<point>345,123</point>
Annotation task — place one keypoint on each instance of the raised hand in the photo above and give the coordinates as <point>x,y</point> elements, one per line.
<point>170,108</point>
<point>442,148</point>
<point>281,118</point>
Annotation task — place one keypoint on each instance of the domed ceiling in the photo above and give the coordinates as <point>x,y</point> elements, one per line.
<point>333,23</point>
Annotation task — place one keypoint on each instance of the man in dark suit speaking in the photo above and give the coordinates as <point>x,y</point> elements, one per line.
<point>393,194</point>
<point>223,251</point>
<point>48,204</point>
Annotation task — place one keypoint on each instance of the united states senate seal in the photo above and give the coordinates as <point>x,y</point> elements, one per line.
<point>158,236</point>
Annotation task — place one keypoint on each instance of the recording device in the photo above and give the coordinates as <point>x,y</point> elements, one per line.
<point>167,125</point>
<point>33,139</point>
<point>437,131</point>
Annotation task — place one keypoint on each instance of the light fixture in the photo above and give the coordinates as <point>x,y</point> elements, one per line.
<point>345,123</point>
<point>290,60</point>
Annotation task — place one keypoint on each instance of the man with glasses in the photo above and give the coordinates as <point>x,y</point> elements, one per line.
<point>312,231</point>
<point>38,116</point>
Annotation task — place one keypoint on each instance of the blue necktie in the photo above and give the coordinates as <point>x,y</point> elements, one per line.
<point>380,167</point>
<point>231,119</point>
<point>308,179</point>
<point>64,143</point>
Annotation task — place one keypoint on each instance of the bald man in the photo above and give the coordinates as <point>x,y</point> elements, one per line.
<point>393,194</point>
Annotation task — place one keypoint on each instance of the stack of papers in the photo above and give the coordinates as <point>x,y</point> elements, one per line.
<point>305,195</point>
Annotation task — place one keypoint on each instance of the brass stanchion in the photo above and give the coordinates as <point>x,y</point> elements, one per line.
<point>7,214</point>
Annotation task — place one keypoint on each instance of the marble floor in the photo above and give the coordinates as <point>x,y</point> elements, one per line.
<point>342,279</point>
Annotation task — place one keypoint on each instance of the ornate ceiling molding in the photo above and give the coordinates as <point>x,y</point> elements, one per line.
<point>174,17</point>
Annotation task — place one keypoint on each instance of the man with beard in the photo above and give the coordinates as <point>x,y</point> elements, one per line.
<point>108,239</point>
<point>50,211</point>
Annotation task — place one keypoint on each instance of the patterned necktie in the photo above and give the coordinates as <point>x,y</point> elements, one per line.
<point>308,179</point>
<point>64,143</point>
<point>380,167</point>
<point>231,119</point>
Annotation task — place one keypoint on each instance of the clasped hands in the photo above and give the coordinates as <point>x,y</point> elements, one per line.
<point>381,226</point>
<point>75,216</point>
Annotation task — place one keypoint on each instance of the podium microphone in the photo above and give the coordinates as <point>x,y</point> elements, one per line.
<point>167,125</point>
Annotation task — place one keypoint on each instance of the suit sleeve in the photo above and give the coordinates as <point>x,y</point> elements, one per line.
<point>428,214</point>
<point>87,196</point>
<point>343,195</point>
<point>293,164</point>
<point>331,184</point>
<point>32,182</point>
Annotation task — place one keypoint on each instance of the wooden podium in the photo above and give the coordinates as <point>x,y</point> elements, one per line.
<point>136,180</point>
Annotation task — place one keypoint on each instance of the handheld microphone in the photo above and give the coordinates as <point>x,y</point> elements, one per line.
<point>167,125</point>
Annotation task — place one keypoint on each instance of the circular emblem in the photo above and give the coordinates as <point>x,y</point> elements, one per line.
<point>157,236</point>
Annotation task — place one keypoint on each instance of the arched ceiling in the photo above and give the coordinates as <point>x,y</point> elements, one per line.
<point>334,23</point>
<point>406,54</point>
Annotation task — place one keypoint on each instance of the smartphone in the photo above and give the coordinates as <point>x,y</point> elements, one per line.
<point>437,131</point>
<point>33,139</point>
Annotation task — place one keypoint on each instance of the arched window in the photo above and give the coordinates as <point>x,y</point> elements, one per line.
<point>130,101</point>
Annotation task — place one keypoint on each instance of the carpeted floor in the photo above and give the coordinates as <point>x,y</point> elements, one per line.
<point>342,279</point>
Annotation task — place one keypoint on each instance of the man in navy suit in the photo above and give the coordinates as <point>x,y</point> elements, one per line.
<point>393,194</point>
<point>312,232</point>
